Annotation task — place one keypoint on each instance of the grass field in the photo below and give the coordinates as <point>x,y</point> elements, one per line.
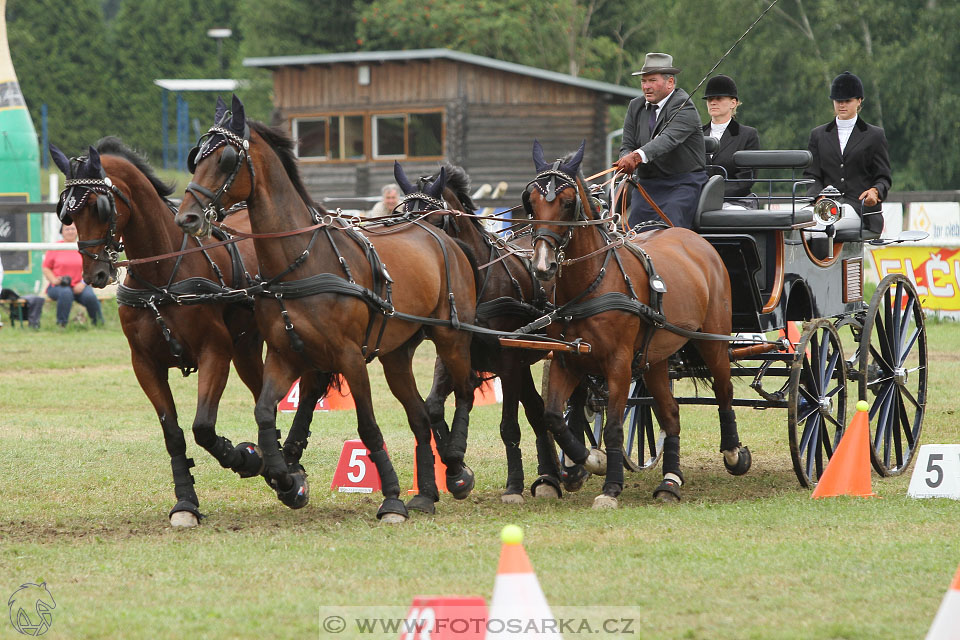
<point>86,488</point>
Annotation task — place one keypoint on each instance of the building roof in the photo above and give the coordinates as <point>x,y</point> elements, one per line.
<point>375,57</point>
<point>198,84</point>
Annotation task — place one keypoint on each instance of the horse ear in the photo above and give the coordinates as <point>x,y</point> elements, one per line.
<point>572,167</point>
<point>538,161</point>
<point>220,110</point>
<point>239,119</point>
<point>93,162</point>
<point>59,159</point>
<point>402,179</point>
<point>436,188</point>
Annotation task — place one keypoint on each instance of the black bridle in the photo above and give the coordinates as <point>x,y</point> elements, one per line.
<point>74,196</point>
<point>237,151</point>
<point>550,183</point>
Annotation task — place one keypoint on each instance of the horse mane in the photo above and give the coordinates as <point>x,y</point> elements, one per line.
<point>114,146</point>
<point>459,183</point>
<point>282,145</point>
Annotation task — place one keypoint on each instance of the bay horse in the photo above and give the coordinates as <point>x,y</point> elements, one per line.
<point>327,304</point>
<point>616,298</point>
<point>509,296</point>
<point>171,311</point>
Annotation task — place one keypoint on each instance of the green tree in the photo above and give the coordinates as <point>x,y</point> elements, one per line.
<point>59,53</point>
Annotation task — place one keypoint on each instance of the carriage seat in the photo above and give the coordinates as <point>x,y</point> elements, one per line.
<point>710,217</point>
<point>773,159</point>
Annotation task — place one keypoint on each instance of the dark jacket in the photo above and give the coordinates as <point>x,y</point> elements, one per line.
<point>673,149</point>
<point>736,137</point>
<point>865,163</point>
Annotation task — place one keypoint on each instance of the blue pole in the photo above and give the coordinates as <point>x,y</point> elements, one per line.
<point>45,147</point>
<point>164,127</point>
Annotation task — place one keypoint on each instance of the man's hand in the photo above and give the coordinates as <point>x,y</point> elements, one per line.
<point>870,197</point>
<point>628,163</point>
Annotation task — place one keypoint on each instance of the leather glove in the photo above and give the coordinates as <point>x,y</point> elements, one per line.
<point>628,163</point>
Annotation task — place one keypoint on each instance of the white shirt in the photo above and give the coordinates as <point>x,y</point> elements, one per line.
<point>844,129</point>
<point>716,130</point>
<point>660,104</point>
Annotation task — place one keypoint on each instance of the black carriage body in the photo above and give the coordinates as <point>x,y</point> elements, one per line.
<point>778,271</point>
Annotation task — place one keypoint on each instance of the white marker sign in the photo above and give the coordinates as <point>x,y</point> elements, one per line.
<point>936,474</point>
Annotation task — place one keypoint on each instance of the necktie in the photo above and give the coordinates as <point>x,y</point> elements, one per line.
<point>653,117</point>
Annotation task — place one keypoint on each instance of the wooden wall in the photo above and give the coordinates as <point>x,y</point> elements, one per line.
<point>491,119</point>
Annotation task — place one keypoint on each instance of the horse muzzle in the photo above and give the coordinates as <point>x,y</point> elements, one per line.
<point>193,222</point>
<point>544,262</point>
<point>100,276</point>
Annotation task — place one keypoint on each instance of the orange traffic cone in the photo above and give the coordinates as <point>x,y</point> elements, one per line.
<point>439,469</point>
<point>517,596</point>
<point>488,392</point>
<point>946,624</point>
<point>848,472</point>
<point>792,334</point>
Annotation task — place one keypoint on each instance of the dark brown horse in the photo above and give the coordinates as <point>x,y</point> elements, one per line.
<point>328,303</point>
<point>172,311</point>
<point>604,296</point>
<point>510,296</point>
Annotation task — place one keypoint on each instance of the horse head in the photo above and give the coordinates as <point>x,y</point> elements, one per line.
<point>216,162</point>
<point>88,201</point>
<point>553,196</point>
<point>426,195</point>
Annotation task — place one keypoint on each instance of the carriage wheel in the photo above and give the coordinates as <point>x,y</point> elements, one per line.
<point>818,400</point>
<point>893,373</point>
<point>642,435</point>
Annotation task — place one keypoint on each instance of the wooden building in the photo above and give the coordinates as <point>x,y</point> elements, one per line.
<point>353,114</point>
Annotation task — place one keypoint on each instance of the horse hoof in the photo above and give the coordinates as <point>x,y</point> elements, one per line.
<point>252,464</point>
<point>545,487</point>
<point>392,518</point>
<point>511,498</point>
<point>573,477</point>
<point>603,501</point>
<point>744,460</point>
<point>596,462</point>
<point>392,511</point>
<point>422,503</point>
<point>183,520</point>
<point>461,486</point>
<point>298,495</point>
<point>668,491</point>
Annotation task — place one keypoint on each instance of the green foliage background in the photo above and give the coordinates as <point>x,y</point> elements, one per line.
<point>93,62</point>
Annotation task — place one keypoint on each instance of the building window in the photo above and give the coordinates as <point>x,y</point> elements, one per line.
<point>338,137</point>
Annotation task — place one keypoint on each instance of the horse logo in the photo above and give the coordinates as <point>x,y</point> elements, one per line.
<point>31,609</point>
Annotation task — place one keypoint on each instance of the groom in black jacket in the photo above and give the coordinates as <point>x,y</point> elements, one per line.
<point>668,158</point>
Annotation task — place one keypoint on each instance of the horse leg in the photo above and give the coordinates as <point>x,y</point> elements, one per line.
<point>571,474</point>
<point>736,457</point>
<point>244,459</point>
<point>453,347</point>
<point>618,385</point>
<point>510,434</point>
<point>560,385</point>
<point>313,385</point>
<point>547,484</point>
<point>398,370</point>
<point>665,407</point>
<point>292,489</point>
<point>392,510</point>
<point>439,392</point>
<point>153,380</point>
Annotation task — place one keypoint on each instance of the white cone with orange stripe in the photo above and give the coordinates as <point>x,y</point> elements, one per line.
<point>946,625</point>
<point>518,608</point>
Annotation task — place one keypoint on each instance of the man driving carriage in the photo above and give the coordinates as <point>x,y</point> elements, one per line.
<point>669,160</point>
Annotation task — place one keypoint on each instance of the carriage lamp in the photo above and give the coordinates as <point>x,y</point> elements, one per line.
<point>827,208</point>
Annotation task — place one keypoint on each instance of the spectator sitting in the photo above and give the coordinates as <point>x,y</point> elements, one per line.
<point>389,198</point>
<point>64,271</point>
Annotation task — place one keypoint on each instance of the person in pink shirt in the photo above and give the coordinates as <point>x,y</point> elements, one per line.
<point>64,271</point>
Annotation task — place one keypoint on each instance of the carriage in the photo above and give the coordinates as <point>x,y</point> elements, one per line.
<point>789,264</point>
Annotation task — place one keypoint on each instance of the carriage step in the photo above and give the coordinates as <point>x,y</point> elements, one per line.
<point>546,345</point>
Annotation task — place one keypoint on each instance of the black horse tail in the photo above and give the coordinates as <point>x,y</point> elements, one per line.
<point>694,365</point>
